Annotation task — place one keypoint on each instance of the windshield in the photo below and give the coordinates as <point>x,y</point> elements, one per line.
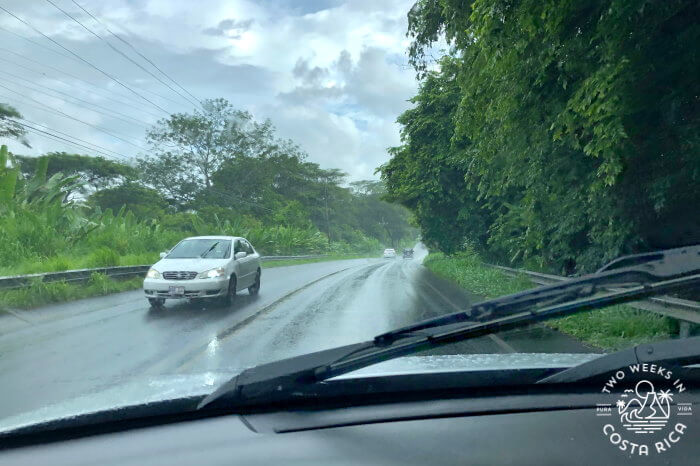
<point>201,248</point>
<point>188,192</point>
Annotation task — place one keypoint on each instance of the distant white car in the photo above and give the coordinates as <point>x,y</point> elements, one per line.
<point>389,253</point>
<point>204,267</point>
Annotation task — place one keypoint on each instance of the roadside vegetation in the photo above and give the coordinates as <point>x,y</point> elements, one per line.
<point>40,293</point>
<point>610,329</point>
<point>552,135</point>
<point>215,171</point>
<point>532,146</point>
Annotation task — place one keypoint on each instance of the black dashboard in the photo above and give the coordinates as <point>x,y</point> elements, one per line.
<point>537,429</point>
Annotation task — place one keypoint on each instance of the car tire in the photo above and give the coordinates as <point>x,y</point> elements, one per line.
<point>231,294</point>
<point>156,302</point>
<point>255,287</point>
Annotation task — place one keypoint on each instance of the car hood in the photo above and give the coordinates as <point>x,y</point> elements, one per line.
<point>189,265</point>
<point>144,390</point>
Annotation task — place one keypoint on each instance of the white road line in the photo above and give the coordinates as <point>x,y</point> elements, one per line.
<point>193,354</point>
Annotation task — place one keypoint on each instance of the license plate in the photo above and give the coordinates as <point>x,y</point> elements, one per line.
<point>176,290</point>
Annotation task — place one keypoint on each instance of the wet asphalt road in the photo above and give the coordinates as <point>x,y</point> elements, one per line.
<point>59,352</point>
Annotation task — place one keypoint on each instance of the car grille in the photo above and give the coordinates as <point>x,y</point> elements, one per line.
<point>179,275</point>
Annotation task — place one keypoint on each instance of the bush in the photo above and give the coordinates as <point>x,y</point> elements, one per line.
<point>102,257</point>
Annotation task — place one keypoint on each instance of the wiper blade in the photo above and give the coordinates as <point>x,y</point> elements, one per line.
<point>654,274</point>
<point>649,268</point>
<point>204,254</point>
<point>677,352</point>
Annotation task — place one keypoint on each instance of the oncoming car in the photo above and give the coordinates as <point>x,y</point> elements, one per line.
<point>204,267</point>
<point>389,253</point>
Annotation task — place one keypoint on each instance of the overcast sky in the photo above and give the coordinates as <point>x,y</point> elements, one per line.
<point>330,74</point>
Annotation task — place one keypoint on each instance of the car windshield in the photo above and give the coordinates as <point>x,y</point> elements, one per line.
<point>192,189</point>
<point>201,248</point>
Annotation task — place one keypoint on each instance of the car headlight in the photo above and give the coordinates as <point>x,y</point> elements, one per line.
<point>213,273</point>
<point>153,273</point>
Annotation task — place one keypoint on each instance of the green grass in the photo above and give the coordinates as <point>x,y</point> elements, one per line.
<point>611,328</point>
<point>98,258</point>
<point>40,293</point>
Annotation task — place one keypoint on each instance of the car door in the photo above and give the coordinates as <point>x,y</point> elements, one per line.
<point>230,263</point>
<point>245,277</point>
<point>251,260</point>
<point>256,256</point>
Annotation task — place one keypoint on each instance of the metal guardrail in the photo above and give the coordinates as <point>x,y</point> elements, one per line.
<point>22,281</point>
<point>681,309</point>
<point>81,275</point>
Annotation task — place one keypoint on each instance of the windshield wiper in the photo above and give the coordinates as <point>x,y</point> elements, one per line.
<point>650,274</point>
<point>204,254</point>
<point>685,351</point>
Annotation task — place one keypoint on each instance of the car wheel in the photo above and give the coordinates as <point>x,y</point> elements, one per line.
<point>255,287</point>
<point>231,294</point>
<point>156,302</point>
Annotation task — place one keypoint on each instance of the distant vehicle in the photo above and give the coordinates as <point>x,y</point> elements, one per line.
<point>389,253</point>
<point>204,267</point>
<point>408,253</point>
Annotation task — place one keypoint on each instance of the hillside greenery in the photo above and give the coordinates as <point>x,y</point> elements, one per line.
<point>552,134</point>
<point>65,211</point>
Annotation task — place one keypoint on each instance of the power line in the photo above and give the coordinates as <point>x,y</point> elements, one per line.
<point>53,110</point>
<point>76,77</point>
<point>117,50</point>
<point>58,138</point>
<point>133,122</point>
<point>84,60</point>
<point>137,51</point>
<point>104,95</point>
<point>78,61</point>
<point>36,43</point>
<point>99,149</point>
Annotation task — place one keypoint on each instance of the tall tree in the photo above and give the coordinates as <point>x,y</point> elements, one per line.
<point>187,149</point>
<point>580,123</point>
<point>427,173</point>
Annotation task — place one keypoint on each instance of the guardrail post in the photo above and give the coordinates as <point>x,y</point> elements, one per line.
<point>684,330</point>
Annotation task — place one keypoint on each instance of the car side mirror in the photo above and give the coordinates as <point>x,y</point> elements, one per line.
<point>240,255</point>
<point>163,254</point>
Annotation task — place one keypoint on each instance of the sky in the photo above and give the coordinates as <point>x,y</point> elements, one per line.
<point>331,75</point>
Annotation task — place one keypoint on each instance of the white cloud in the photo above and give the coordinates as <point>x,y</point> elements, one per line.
<point>326,72</point>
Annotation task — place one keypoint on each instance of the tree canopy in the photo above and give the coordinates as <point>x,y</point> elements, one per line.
<point>94,173</point>
<point>223,162</point>
<point>202,141</point>
<point>559,132</point>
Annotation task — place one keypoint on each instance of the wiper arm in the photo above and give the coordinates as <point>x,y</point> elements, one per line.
<point>657,273</point>
<point>650,267</point>
<point>685,351</point>
<point>204,254</point>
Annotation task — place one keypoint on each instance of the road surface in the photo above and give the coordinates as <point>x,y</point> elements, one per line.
<point>62,351</point>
